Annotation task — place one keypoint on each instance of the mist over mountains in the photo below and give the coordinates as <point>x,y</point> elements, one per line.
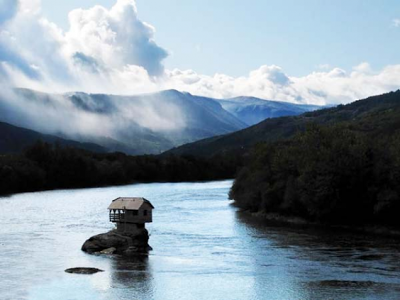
<point>15,139</point>
<point>140,124</point>
<point>253,110</point>
<point>377,115</point>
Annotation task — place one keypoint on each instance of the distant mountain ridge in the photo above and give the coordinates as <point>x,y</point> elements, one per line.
<point>254,110</point>
<point>15,139</point>
<point>368,114</point>
<point>140,124</point>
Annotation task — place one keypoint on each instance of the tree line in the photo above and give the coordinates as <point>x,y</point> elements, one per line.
<point>44,166</point>
<point>328,174</point>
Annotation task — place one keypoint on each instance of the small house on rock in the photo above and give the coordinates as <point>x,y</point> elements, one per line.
<point>130,214</point>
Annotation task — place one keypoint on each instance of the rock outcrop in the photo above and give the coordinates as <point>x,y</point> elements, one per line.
<point>115,242</point>
<point>85,271</point>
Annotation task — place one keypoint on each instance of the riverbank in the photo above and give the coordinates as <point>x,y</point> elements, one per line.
<point>202,249</point>
<point>293,221</point>
<point>6,195</point>
<point>44,167</point>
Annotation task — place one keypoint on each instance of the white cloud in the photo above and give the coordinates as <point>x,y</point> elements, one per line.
<point>115,37</point>
<point>30,6</point>
<point>328,87</point>
<point>112,51</point>
<point>396,22</point>
<point>363,68</point>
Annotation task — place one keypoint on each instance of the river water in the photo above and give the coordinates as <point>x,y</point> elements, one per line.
<point>203,249</point>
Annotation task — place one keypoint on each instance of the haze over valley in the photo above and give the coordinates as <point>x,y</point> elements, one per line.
<point>154,149</point>
<point>129,99</point>
<point>141,124</point>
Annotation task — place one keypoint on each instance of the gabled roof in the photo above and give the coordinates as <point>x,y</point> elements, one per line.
<point>129,203</point>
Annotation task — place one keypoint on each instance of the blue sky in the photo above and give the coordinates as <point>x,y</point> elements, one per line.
<point>234,37</point>
<point>301,51</point>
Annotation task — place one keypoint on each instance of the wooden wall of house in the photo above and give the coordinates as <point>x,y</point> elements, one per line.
<point>144,215</point>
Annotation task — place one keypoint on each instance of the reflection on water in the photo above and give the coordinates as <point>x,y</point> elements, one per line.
<point>203,249</point>
<point>133,273</point>
<point>330,263</point>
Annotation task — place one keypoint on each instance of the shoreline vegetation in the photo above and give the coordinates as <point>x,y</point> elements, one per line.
<point>343,170</point>
<point>275,219</point>
<point>44,166</point>
<point>332,175</point>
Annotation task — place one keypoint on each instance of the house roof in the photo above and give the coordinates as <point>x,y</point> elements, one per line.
<point>129,203</point>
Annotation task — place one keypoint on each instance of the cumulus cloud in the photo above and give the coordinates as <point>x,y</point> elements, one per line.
<point>270,82</point>
<point>115,37</point>
<point>31,48</point>
<point>112,51</point>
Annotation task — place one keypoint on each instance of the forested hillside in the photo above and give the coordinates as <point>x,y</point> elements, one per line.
<point>136,125</point>
<point>339,165</point>
<point>44,166</point>
<point>344,172</point>
<point>369,115</point>
<point>15,139</point>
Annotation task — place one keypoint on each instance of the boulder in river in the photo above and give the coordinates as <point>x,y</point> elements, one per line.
<point>116,242</point>
<point>85,271</point>
<point>107,251</point>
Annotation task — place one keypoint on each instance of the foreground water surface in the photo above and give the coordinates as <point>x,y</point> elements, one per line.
<point>203,249</point>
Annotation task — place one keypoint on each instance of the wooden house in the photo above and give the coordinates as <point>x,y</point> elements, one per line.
<point>130,214</point>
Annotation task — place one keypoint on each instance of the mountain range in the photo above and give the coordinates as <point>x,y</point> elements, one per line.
<point>140,124</point>
<point>254,110</point>
<point>375,114</point>
<point>15,139</point>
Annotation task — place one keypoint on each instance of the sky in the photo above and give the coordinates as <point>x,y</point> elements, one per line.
<point>234,37</point>
<point>310,51</point>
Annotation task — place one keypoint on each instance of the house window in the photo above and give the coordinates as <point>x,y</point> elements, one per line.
<point>145,213</point>
<point>135,212</point>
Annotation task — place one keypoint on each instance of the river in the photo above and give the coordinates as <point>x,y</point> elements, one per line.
<point>203,249</point>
